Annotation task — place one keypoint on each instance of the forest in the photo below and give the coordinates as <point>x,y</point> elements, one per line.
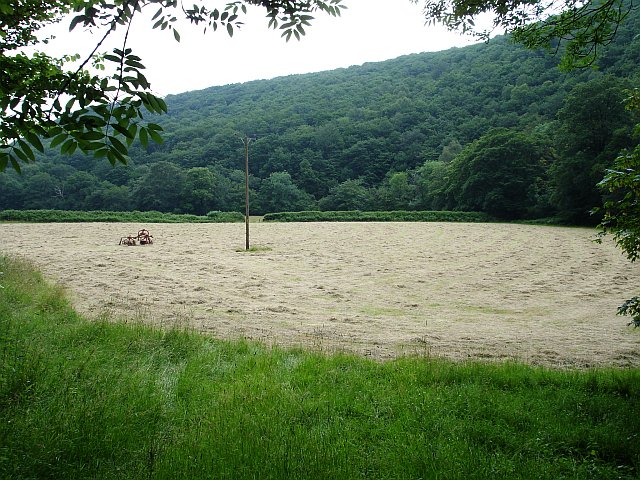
<point>490,128</point>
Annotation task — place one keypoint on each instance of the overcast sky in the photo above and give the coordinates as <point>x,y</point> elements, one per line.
<point>368,31</point>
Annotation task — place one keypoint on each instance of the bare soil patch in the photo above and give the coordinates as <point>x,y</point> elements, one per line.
<point>542,295</point>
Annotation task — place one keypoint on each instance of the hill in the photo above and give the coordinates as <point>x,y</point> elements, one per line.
<point>377,136</point>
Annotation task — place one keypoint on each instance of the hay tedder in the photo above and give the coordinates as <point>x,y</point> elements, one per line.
<point>143,238</point>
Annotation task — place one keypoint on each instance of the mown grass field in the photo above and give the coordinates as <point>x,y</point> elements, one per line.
<point>93,399</point>
<point>535,294</point>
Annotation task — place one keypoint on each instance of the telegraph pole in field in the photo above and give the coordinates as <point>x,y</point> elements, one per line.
<point>245,140</point>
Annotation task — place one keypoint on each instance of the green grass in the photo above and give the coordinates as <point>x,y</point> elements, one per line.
<point>103,400</point>
<point>255,249</point>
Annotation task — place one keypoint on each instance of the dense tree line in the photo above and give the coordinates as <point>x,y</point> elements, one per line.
<point>491,127</point>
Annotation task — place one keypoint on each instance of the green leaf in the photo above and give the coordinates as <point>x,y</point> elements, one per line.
<point>133,130</point>
<point>230,29</point>
<point>144,137</point>
<point>21,155</point>
<point>15,164</point>
<point>27,150</point>
<point>142,80</point>
<point>92,135</point>
<point>148,100</point>
<point>286,34</point>
<point>76,21</point>
<point>4,161</point>
<point>87,147</point>
<point>162,104</point>
<point>112,58</point>
<point>59,139</point>
<point>68,147</point>
<point>101,152</point>
<point>114,155</point>
<point>157,14</point>
<point>122,130</point>
<point>155,136</point>
<point>133,63</point>
<point>153,103</point>
<point>176,35</point>
<point>118,145</point>
<point>35,141</point>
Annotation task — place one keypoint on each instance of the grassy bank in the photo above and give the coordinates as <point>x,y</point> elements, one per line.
<point>42,216</point>
<point>83,399</point>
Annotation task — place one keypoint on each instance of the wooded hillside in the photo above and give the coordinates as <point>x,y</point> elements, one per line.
<point>490,127</point>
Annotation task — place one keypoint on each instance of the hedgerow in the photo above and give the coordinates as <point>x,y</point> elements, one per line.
<point>394,216</point>
<point>43,216</point>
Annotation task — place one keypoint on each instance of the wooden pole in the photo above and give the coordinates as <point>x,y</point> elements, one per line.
<point>246,189</point>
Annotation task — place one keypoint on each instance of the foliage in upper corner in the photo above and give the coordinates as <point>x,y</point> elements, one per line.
<point>73,109</point>
<point>582,29</point>
<point>621,207</point>
<point>579,27</point>
<point>100,113</point>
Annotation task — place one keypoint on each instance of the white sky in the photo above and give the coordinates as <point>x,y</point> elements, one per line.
<point>368,31</point>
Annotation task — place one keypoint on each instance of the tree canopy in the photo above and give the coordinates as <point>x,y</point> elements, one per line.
<point>593,126</point>
<point>498,174</point>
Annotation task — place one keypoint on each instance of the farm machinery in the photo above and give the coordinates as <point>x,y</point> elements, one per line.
<point>143,238</point>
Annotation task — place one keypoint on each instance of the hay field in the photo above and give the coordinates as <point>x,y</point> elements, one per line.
<point>542,295</point>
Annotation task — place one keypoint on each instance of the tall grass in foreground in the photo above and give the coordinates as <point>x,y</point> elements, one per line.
<point>82,399</point>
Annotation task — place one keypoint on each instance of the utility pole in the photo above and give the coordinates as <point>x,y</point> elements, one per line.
<point>245,140</point>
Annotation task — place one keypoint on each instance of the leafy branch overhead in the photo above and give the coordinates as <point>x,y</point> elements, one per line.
<point>102,113</point>
<point>578,29</point>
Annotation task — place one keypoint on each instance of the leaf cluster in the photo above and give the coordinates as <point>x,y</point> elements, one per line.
<point>576,28</point>
<point>75,110</point>
<point>582,30</point>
